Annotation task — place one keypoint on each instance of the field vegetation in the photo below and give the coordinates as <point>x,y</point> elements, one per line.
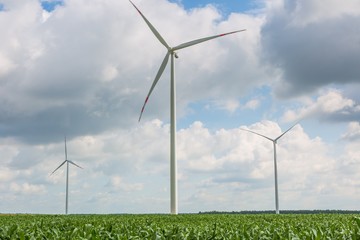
<point>183,226</point>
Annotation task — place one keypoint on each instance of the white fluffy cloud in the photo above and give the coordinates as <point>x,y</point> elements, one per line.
<point>233,105</point>
<point>331,105</point>
<point>118,183</point>
<point>133,164</point>
<point>353,132</point>
<point>27,188</point>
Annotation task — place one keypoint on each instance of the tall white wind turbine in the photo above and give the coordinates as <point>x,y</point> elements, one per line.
<point>67,161</point>
<point>275,162</point>
<point>171,52</point>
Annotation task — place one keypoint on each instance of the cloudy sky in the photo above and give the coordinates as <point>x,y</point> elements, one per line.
<point>82,68</point>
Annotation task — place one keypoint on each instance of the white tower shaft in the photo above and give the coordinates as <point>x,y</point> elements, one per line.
<point>276,181</point>
<point>173,163</point>
<point>67,187</point>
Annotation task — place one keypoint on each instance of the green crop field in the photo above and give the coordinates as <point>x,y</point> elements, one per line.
<point>184,226</point>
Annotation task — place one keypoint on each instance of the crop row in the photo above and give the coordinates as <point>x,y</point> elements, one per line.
<point>186,226</point>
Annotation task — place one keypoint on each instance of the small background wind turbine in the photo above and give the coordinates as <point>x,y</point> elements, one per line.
<point>171,53</point>
<point>67,161</point>
<point>275,162</point>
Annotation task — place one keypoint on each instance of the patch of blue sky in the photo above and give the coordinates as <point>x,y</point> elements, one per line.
<point>225,7</point>
<point>268,108</point>
<point>2,8</point>
<point>214,116</point>
<point>329,132</point>
<point>50,5</point>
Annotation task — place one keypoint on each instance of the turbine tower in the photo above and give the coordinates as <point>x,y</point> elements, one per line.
<point>67,161</point>
<point>171,52</point>
<point>274,141</point>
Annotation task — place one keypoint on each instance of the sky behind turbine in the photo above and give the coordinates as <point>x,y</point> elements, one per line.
<point>83,68</point>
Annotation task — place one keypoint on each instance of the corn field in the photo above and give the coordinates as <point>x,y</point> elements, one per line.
<point>184,226</point>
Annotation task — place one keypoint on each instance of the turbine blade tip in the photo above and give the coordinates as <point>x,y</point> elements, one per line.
<point>140,116</point>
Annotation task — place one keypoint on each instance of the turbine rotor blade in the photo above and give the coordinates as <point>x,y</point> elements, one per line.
<point>157,77</point>
<point>197,41</point>
<point>65,149</point>
<point>257,134</point>
<point>74,164</point>
<point>152,28</point>
<point>286,131</point>
<point>58,167</point>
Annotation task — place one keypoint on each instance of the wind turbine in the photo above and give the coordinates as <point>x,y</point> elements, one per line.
<point>67,161</point>
<point>275,163</point>
<point>171,52</point>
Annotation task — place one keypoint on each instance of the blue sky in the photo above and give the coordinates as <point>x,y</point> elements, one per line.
<point>83,68</point>
<point>225,7</point>
<point>51,5</point>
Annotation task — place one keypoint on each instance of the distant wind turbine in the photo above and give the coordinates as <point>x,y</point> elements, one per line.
<point>171,53</point>
<point>275,163</point>
<point>67,161</point>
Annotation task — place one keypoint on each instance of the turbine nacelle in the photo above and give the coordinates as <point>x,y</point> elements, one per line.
<point>171,51</point>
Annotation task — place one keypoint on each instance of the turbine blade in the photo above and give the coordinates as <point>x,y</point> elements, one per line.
<point>257,134</point>
<point>286,131</point>
<point>152,28</point>
<point>157,77</point>
<point>197,41</point>
<point>58,167</point>
<point>74,164</point>
<point>65,149</point>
